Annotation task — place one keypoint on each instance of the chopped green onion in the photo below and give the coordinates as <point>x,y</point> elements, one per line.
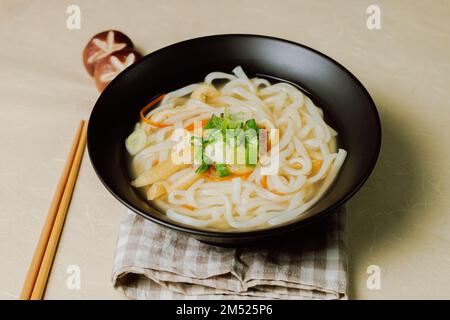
<point>226,113</point>
<point>216,130</point>
<point>222,170</point>
<point>251,156</point>
<point>214,123</point>
<point>251,124</point>
<point>251,142</point>
<point>235,124</point>
<point>212,135</point>
<point>202,168</point>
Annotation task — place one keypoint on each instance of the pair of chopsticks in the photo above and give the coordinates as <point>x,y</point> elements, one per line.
<point>41,264</point>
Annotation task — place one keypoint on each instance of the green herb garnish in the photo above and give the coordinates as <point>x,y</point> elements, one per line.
<point>202,168</point>
<point>251,124</point>
<point>216,130</point>
<point>214,123</point>
<point>222,170</point>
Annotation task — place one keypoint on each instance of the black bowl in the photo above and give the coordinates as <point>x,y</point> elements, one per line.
<point>347,105</point>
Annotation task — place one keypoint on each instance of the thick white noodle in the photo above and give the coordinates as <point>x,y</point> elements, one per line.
<point>218,75</point>
<point>242,203</point>
<point>292,214</point>
<point>180,92</point>
<point>239,72</point>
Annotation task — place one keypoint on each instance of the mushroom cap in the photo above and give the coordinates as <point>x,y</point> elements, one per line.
<point>103,44</point>
<point>109,67</point>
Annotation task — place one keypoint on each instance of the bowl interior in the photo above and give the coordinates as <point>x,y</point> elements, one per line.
<point>347,106</point>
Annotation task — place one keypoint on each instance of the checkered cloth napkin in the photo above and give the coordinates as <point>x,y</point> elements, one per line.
<point>153,262</point>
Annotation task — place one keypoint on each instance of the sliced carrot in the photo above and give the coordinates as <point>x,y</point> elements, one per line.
<point>212,177</point>
<point>147,107</point>
<point>264,185</point>
<point>189,207</point>
<point>191,127</point>
<point>157,124</point>
<point>316,164</point>
<point>264,182</point>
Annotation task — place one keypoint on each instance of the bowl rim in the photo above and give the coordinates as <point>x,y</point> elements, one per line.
<point>295,224</point>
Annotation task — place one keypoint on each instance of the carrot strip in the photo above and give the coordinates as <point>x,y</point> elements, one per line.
<point>316,164</point>
<point>264,185</point>
<point>187,206</point>
<point>147,107</point>
<point>192,125</point>
<point>264,182</point>
<point>157,124</point>
<point>211,177</point>
<point>244,176</point>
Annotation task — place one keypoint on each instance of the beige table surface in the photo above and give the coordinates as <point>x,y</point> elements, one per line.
<point>399,221</point>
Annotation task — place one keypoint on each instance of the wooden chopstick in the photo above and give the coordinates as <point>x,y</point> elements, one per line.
<point>40,265</point>
<point>50,251</point>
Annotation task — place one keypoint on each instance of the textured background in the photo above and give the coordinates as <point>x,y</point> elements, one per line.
<point>398,221</point>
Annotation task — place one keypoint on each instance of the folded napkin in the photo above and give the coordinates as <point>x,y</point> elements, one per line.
<point>153,262</point>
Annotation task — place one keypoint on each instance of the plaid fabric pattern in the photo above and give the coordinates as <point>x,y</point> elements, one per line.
<point>153,262</point>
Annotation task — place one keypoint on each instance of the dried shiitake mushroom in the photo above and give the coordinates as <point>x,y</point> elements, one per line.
<point>109,67</point>
<point>102,45</point>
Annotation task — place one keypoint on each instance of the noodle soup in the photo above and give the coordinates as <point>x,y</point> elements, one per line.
<point>233,153</point>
